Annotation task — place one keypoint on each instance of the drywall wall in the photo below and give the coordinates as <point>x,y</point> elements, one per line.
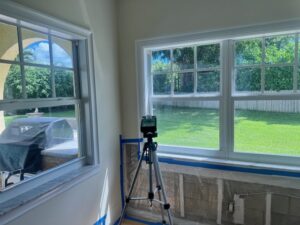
<point>202,196</point>
<point>144,19</point>
<point>99,195</point>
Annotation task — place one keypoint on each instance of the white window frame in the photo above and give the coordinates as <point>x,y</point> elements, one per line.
<point>227,97</point>
<point>85,97</point>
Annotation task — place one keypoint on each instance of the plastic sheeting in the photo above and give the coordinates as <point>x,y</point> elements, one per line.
<point>23,140</point>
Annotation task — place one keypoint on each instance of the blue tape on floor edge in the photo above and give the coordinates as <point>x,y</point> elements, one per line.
<point>101,221</point>
<point>141,221</point>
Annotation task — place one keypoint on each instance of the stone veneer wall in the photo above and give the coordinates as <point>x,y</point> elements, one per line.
<point>194,194</point>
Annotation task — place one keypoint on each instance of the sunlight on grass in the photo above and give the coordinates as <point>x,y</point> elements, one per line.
<point>188,127</point>
<point>267,132</point>
<point>255,131</point>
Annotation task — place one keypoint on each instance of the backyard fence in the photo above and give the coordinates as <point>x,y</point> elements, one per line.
<point>291,106</point>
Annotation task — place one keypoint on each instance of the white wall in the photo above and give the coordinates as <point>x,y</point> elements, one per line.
<point>143,19</point>
<point>81,204</point>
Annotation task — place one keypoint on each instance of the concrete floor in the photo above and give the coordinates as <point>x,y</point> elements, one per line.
<point>130,223</point>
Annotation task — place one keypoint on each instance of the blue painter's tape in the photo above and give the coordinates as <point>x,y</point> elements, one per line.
<point>122,173</point>
<point>101,221</point>
<point>139,149</point>
<point>117,222</point>
<point>230,168</point>
<point>141,221</point>
<point>135,140</point>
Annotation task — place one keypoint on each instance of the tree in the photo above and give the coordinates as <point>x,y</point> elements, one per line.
<point>38,83</point>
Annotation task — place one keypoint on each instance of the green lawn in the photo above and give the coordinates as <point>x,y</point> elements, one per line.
<point>255,131</point>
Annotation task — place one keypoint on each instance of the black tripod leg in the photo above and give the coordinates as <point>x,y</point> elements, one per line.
<point>158,185</point>
<point>132,186</point>
<point>167,205</point>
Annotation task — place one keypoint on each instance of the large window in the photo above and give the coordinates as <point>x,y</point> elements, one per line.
<point>41,112</point>
<point>238,97</point>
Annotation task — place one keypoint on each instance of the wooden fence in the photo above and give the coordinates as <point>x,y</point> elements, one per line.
<point>291,106</point>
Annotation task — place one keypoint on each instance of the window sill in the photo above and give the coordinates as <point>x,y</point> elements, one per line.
<point>24,202</point>
<point>231,165</point>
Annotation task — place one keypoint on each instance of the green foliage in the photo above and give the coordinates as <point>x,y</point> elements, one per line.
<point>208,81</point>
<point>208,56</point>
<point>183,83</point>
<point>248,53</point>
<point>38,83</point>
<point>183,58</point>
<point>279,78</point>
<point>248,79</point>
<point>161,61</point>
<point>64,83</point>
<point>160,66</point>
<point>162,83</point>
<point>280,49</point>
<point>13,83</point>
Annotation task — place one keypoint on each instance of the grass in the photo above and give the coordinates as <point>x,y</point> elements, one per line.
<point>255,131</point>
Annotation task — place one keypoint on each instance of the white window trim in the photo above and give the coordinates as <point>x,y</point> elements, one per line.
<point>88,127</point>
<point>226,107</point>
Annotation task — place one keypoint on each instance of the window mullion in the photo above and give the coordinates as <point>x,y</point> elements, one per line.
<point>76,81</point>
<point>226,109</point>
<point>51,66</point>
<point>149,84</point>
<point>195,70</point>
<point>296,64</point>
<point>172,73</point>
<point>21,58</point>
<point>263,66</point>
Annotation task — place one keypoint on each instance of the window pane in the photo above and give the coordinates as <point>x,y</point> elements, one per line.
<point>64,83</point>
<point>299,78</point>
<point>248,79</point>
<point>280,49</point>
<point>34,140</point>
<point>184,83</point>
<point>248,52</point>
<point>208,81</point>
<point>279,78</point>
<point>208,56</point>
<point>62,52</point>
<point>9,49</point>
<point>188,123</point>
<point>38,82</point>
<point>11,75</point>
<point>183,58</point>
<point>35,47</point>
<point>267,126</point>
<point>162,84</point>
<point>161,61</point>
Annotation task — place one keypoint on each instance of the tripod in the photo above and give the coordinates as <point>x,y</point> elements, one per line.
<point>150,157</point>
